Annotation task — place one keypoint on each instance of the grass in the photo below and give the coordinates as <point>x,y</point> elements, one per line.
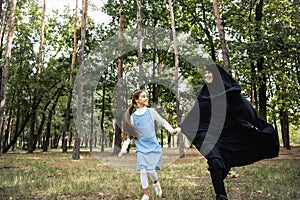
<point>53,175</point>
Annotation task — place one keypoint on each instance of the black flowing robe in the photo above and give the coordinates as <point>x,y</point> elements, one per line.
<point>223,124</point>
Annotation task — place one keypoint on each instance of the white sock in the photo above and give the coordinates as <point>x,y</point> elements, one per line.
<point>144,178</point>
<point>153,174</point>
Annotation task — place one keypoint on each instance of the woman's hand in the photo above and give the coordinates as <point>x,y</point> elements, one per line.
<point>176,131</point>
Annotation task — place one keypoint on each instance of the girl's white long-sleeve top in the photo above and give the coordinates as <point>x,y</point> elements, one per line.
<point>155,116</point>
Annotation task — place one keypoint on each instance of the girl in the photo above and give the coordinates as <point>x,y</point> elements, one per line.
<point>140,124</point>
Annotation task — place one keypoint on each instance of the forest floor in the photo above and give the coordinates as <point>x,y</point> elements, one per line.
<point>54,175</point>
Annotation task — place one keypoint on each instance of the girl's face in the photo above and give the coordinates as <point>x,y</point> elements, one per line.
<point>142,100</point>
<point>208,77</point>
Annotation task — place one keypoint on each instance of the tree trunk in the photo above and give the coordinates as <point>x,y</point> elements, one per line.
<point>56,139</point>
<point>3,25</point>
<point>32,126</point>
<point>178,112</point>
<point>253,101</point>
<point>6,63</point>
<point>254,80</point>
<point>76,150</point>
<point>284,121</point>
<point>16,130</point>
<point>18,133</point>
<point>42,38</point>
<point>66,132</point>
<point>297,56</point>
<point>9,124</point>
<point>140,45</point>
<point>92,121</point>
<point>221,35</point>
<point>102,117</point>
<point>32,136</point>
<point>50,115</point>
<point>1,2</point>
<point>260,66</point>
<point>43,120</point>
<point>262,93</point>
<point>118,130</point>
<point>298,71</point>
<point>2,131</point>
<point>70,88</point>
<point>169,120</point>
<point>154,88</point>
<point>8,128</point>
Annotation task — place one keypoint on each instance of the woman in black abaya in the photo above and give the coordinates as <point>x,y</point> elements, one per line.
<point>226,129</point>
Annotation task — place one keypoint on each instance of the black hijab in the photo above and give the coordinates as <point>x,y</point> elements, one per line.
<point>222,83</point>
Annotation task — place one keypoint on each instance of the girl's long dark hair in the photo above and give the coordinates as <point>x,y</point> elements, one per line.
<point>128,126</point>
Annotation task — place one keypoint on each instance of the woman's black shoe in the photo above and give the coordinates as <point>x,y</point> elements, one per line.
<point>221,197</point>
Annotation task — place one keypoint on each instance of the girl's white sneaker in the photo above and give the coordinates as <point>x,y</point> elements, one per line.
<point>157,189</point>
<point>145,197</point>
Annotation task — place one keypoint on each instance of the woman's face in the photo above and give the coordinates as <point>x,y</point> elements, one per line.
<point>142,100</point>
<point>208,76</point>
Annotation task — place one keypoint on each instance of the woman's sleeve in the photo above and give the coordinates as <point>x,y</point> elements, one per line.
<point>160,120</point>
<point>189,125</point>
<point>244,114</point>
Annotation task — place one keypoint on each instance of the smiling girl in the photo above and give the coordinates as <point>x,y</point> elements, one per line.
<point>140,124</point>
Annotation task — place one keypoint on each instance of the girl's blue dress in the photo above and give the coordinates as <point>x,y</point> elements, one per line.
<point>148,150</point>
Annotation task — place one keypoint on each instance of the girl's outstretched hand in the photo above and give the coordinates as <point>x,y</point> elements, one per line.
<point>120,154</point>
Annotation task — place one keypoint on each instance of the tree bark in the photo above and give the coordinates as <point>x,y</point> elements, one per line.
<point>253,101</point>
<point>221,35</point>
<point>102,116</point>
<point>76,150</point>
<point>43,119</point>
<point>262,90</point>
<point>283,115</point>
<point>3,25</point>
<point>298,71</point>
<point>178,112</point>
<point>32,136</point>
<point>50,116</point>
<point>8,127</point>
<point>1,2</point>
<point>140,45</point>
<point>70,88</point>
<point>154,87</point>
<point>18,133</point>
<point>284,121</point>
<point>92,121</point>
<point>42,39</point>
<point>169,120</point>
<point>118,130</point>
<point>7,58</point>
<point>30,144</point>
<point>297,56</point>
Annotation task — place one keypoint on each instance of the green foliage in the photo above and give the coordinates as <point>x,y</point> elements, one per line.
<point>275,39</point>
